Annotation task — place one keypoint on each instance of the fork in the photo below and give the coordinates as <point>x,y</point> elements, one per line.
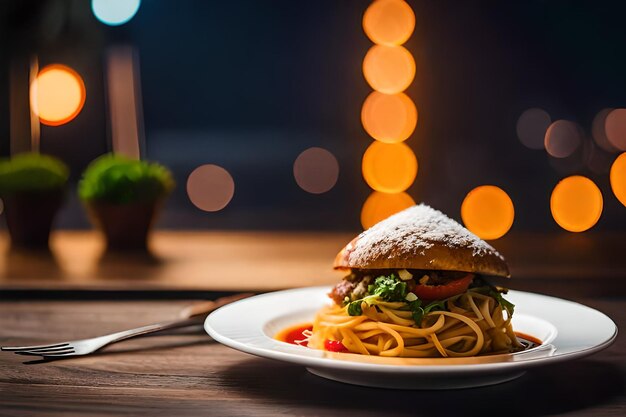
<point>192,315</point>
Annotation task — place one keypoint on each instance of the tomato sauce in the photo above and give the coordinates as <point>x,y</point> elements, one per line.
<point>294,334</point>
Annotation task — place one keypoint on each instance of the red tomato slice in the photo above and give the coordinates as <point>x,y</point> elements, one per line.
<point>440,292</point>
<point>334,346</point>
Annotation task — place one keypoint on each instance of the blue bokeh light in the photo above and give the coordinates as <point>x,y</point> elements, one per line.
<point>115,12</point>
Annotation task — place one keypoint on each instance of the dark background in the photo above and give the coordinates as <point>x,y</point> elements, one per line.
<point>250,84</point>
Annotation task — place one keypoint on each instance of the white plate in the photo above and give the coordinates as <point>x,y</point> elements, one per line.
<point>568,330</point>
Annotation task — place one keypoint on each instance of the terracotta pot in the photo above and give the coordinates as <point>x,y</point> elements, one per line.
<point>125,226</point>
<point>30,215</point>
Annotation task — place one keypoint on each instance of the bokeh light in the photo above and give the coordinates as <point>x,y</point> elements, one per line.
<point>488,212</point>
<point>210,187</point>
<point>379,206</point>
<point>532,126</point>
<point>57,95</point>
<point>389,118</point>
<point>389,69</point>
<point>598,130</point>
<point>389,22</point>
<point>115,12</point>
<point>316,170</point>
<point>618,178</point>
<point>615,126</point>
<point>389,168</point>
<point>562,138</point>
<point>576,203</point>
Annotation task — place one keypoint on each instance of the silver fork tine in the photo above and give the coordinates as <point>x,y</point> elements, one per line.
<point>46,351</point>
<point>32,348</point>
<point>56,354</point>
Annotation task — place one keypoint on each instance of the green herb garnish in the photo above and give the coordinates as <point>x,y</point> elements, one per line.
<point>389,288</point>
<point>496,293</point>
<point>417,310</point>
<point>386,288</point>
<point>435,306</point>
<point>505,304</point>
<point>354,308</point>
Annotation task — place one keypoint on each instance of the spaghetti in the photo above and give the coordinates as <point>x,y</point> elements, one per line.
<point>469,324</point>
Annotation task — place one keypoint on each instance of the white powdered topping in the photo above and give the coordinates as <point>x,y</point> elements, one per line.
<point>412,231</point>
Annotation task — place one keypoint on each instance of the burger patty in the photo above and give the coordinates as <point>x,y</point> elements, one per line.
<point>354,286</point>
<point>341,291</point>
<point>352,289</point>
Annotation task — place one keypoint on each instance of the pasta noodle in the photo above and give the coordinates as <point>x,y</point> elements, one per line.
<point>475,324</point>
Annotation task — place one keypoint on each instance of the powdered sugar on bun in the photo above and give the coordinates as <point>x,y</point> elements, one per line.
<point>421,237</point>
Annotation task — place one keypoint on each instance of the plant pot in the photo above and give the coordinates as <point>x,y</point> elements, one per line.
<point>125,226</point>
<point>30,215</point>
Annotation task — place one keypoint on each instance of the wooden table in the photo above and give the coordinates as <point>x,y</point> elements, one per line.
<point>69,293</point>
<point>190,375</point>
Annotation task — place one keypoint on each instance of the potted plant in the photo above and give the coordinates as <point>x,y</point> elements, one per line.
<point>32,187</point>
<point>123,197</point>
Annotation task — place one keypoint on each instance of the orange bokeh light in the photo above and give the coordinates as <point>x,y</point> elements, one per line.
<point>488,212</point>
<point>576,203</point>
<point>379,206</point>
<point>389,168</point>
<point>618,178</point>
<point>57,95</point>
<point>389,69</point>
<point>389,118</point>
<point>389,22</point>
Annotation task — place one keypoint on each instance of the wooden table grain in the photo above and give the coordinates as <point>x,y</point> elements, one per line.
<point>190,375</point>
